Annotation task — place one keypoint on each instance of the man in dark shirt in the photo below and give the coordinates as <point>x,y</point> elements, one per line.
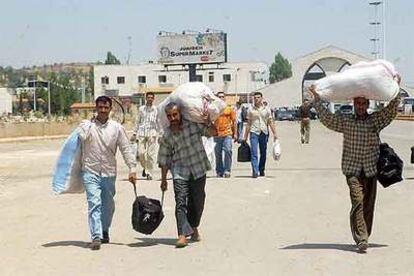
<point>304,114</point>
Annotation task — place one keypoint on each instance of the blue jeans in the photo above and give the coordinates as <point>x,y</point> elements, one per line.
<point>261,141</point>
<point>240,131</point>
<point>223,144</point>
<point>100,192</point>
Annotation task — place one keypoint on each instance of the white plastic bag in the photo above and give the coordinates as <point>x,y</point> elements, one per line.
<point>372,80</point>
<point>276,151</point>
<point>195,99</point>
<point>209,146</point>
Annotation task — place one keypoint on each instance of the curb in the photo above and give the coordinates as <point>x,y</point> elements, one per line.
<point>31,138</point>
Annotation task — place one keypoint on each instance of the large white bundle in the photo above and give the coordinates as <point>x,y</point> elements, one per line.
<point>372,80</point>
<point>195,99</point>
<point>67,175</point>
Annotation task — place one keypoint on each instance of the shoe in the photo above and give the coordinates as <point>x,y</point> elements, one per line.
<point>105,238</point>
<point>362,247</point>
<point>96,244</point>
<point>195,237</point>
<point>262,174</point>
<point>219,175</point>
<point>181,242</point>
<point>227,175</point>
<point>144,174</point>
<point>149,177</point>
<point>254,175</point>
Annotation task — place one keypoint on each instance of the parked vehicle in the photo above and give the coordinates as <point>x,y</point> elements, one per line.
<point>286,115</point>
<point>405,105</point>
<point>345,109</point>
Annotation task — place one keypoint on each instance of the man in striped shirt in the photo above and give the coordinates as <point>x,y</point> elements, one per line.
<point>360,152</point>
<point>146,134</point>
<point>182,152</point>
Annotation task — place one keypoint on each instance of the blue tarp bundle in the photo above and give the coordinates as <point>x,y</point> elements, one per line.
<point>67,176</point>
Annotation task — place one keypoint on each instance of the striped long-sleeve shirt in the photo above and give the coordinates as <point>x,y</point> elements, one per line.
<point>147,124</point>
<point>361,139</point>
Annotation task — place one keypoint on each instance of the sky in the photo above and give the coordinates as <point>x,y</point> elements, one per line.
<point>37,32</point>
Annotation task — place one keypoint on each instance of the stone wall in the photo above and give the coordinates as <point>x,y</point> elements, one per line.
<point>26,129</point>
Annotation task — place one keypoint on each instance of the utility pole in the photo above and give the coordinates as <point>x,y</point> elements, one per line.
<point>48,98</point>
<point>83,90</point>
<point>378,25</point>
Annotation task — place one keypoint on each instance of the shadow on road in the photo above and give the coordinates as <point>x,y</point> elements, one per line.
<point>343,247</point>
<point>249,176</point>
<point>81,244</point>
<point>147,242</point>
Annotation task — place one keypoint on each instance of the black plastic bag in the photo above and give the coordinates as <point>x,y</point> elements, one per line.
<point>389,166</point>
<point>147,214</point>
<point>243,153</point>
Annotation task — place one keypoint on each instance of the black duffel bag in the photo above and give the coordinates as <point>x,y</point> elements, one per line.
<point>243,152</point>
<point>147,213</point>
<point>389,166</point>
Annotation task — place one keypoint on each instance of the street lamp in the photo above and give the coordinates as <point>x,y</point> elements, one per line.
<point>236,78</point>
<point>44,84</point>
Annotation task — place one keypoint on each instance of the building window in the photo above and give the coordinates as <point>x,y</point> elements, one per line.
<point>104,80</point>
<point>226,77</point>
<point>142,79</point>
<point>120,80</point>
<point>162,79</point>
<point>199,78</point>
<point>210,76</point>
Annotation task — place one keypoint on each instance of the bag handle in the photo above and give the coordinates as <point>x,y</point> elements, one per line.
<point>162,195</point>
<point>135,190</point>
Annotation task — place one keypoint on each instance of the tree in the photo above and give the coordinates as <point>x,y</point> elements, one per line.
<point>111,59</point>
<point>280,69</point>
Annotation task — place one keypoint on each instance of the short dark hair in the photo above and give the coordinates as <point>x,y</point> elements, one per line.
<point>171,105</point>
<point>257,93</point>
<point>103,99</point>
<point>150,94</point>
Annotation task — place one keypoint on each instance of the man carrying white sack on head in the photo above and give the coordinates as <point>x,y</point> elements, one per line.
<point>360,154</point>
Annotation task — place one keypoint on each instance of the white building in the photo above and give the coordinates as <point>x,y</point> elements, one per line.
<point>6,100</point>
<point>126,80</point>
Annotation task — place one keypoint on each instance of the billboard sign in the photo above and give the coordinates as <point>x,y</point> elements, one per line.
<point>192,48</point>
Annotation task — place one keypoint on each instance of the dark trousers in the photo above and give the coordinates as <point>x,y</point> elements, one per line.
<point>189,203</point>
<point>363,191</point>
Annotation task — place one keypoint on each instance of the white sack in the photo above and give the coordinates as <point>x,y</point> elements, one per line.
<point>276,151</point>
<point>372,80</point>
<point>194,98</point>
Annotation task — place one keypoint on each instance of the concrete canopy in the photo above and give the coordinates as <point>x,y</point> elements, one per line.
<point>288,92</point>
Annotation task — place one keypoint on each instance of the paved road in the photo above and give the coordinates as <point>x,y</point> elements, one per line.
<point>292,222</point>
